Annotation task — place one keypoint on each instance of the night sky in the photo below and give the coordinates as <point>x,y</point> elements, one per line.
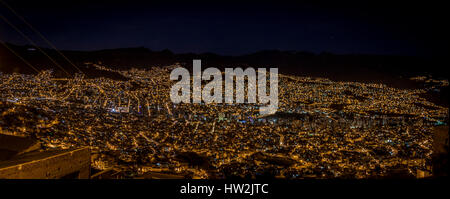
<point>234,28</point>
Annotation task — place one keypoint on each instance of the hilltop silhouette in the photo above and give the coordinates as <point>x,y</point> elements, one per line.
<point>388,69</point>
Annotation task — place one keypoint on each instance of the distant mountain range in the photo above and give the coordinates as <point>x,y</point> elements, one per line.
<point>363,68</point>
<point>391,70</point>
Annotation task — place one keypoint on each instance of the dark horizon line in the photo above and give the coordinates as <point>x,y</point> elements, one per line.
<point>229,55</point>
